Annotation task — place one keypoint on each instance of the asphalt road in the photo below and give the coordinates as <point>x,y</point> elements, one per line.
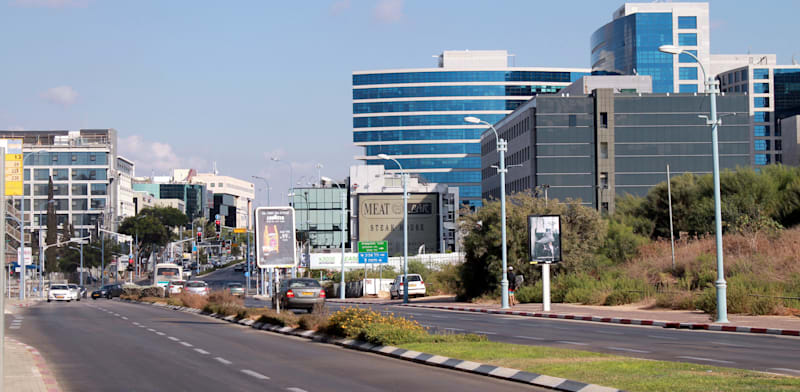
<point>776,354</point>
<point>110,346</point>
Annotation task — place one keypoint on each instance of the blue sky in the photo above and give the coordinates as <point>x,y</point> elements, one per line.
<point>187,83</point>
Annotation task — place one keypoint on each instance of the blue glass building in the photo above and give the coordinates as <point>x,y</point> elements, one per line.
<point>417,115</point>
<point>628,45</point>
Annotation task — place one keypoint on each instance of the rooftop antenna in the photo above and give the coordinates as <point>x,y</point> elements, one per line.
<point>214,168</point>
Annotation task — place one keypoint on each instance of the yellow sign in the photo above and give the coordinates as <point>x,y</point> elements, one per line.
<point>13,170</point>
<point>240,230</point>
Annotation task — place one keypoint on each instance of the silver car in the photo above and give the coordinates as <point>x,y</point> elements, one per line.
<point>196,287</point>
<point>300,293</point>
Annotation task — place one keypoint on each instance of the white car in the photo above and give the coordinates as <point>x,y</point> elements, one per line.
<point>59,292</point>
<point>75,290</point>
<point>416,286</point>
<point>196,287</point>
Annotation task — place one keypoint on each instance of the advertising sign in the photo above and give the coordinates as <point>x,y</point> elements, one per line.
<point>13,166</point>
<point>544,237</point>
<point>380,218</point>
<point>275,237</point>
<point>333,260</point>
<point>26,256</point>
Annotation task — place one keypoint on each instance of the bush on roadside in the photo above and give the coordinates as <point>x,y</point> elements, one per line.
<point>191,300</point>
<point>285,319</point>
<point>387,334</point>
<point>314,321</point>
<point>529,294</point>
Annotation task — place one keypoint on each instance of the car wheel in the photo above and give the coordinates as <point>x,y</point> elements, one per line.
<point>69,300</point>
<point>48,300</point>
<point>94,299</point>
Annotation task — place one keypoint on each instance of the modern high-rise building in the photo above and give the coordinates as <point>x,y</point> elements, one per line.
<point>417,115</point>
<point>628,45</point>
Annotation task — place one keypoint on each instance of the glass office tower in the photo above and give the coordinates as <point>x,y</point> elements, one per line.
<point>417,115</point>
<point>628,45</point>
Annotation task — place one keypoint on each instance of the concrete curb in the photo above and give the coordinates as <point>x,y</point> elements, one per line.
<point>41,367</point>
<point>515,375</point>
<point>613,320</point>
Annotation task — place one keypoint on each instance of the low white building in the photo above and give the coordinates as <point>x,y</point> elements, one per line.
<point>242,191</point>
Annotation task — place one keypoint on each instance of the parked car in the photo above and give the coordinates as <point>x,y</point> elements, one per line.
<point>196,287</point>
<point>175,286</point>
<point>59,292</point>
<point>300,293</point>
<point>235,288</point>
<point>416,286</point>
<point>75,291</point>
<point>239,267</point>
<point>108,291</point>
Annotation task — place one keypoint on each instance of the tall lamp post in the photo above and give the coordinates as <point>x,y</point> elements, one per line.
<point>711,87</point>
<point>22,228</point>
<point>262,272</point>
<point>405,224</point>
<point>502,147</point>
<point>291,182</point>
<point>265,182</point>
<point>344,201</point>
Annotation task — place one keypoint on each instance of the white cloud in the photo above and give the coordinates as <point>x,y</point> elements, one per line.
<point>339,6</point>
<point>388,11</point>
<point>156,156</point>
<point>62,95</point>
<point>51,3</point>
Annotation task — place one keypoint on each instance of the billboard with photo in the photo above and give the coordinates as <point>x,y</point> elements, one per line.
<point>380,218</point>
<point>275,237</point>
<point>544,238</point>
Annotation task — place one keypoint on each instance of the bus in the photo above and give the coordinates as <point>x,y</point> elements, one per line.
<point>165,272</point>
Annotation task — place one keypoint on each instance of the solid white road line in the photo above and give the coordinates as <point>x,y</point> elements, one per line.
<point>201,351</point>
<point>630,350</point>
<point>661,337</point>
<point>455,329</point>
<point>786,370</point>
<point>705,359</point>
<point>486,333</point>
<point>571,342</point>
<point>730,344</point>
<point>254,374</point>
<point>609,332</point>
<point>186,344</point>
<point>174,339</point>
<point>295,389</point>
<point>223,360</point>
<point>529,337</point>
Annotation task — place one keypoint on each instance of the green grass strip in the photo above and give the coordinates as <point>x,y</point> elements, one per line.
<point>630,374</point>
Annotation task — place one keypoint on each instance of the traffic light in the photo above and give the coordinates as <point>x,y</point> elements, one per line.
<point>217,236</point>
<point>219,227</point>
<point>199,237</point>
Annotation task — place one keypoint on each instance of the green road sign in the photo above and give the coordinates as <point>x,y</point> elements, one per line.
<point>372,246</point>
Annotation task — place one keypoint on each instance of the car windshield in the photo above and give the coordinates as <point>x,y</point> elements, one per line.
<point>195,284</point>
<point>177,283</point>
<point>293,284</point>
<point>414,278</point>
<point>167,272</point>
<point>59,287</point>
<point>235,285</point>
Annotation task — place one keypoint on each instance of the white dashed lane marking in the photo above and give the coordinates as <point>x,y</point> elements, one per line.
<point>151,329</point>
<point>186,344</point>
<point>486,333</point>
<point>573,343</point>
<point>124,318</point>
<point>529,337</point>
<point>295,389</point>
<point>223,361</point>
<point>201,351</point>
<point>174,339</point>
<point>161,333</point>
<point>630,350</point>
<point>705,359</point>
<point>255,374</point>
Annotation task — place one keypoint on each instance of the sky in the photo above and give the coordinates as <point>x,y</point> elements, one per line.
<point>190,83</point>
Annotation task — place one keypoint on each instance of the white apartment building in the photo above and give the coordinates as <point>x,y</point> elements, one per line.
<point>242,191</point>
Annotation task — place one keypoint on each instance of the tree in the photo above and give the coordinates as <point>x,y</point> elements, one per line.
<point>51,255</point>
<point>149,230</point>
<point>169,216</point>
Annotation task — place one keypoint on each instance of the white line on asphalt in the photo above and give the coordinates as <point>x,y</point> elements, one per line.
<point>151,329</point>
<point>570,342</point>
<point>254,374</point>
<point>705,359</point>
<point>455,329</point>
<point>124,318</point>
<point>173,339</point>
<point>14,327</point>
<point>161,333</point>
<point>223,360</point>
<point>295,389</point>
<point>729,344</point>
<point>529,337</point>
<point>440,317</point>
<point>142,326</point>
<point>201,351</point>
<point>661,337</point>
<point>609,332</point>
<point>116,314</point>
<point>486,333</point>
<point>135,323</point>
<point>786,370</point>
<point>186,344</point>
<point>630,350</point>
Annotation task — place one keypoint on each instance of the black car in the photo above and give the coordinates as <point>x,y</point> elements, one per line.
<point>108,291</point>
<point>239,267</point>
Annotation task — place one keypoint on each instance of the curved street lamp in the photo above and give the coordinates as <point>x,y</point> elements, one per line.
<point>404,175</point>
<point>711,87</point>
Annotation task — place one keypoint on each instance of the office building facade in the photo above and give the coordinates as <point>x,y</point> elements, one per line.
<point>593,147</point>
<point>194,196</point>
<point>318,216</point>
<point>628,45</point>
<point>83,166</point>
<point>417,115</point>
<point>237,204</point>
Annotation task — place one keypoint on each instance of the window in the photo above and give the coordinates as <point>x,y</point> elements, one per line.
<point>603,150</point>
<point>761,73</point>
<point>27,174</point>
<point>687,73</point>
<point>761,102</point>
<point>60,174</point>
<point>761,117</point>
<point>743,74</point>
<point>778,146</point>
<point>687,22</point>
<point>778,158</point>
<point>79,189</point>
<point>687,39</point>
<point>41,174</point>
<point>219,185</point>
<point>760,145</point>
<point>80,204</point>
<point>604,180</point>
<point>760,88</point>
<point>211,185</point>
<point>98,204</point>
<point>688,88</point>
<point>761,159</point>
<point>760,130</point>
<point>603,120</point>
<point>685,58</point>
<point>60,189</point>
<point>99,189</point>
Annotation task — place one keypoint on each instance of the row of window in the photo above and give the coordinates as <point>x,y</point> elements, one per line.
<point>60,189</point>
<point>687,88</point>
<point>452,177</point>
<point>412,121</point>
<point>516,130</point>
<point>436,106</point>
<point>764,159</point>
<point>467,76</point>
<point>489,172</point>
<point>763,145</point>
<point>64,204</point>
<point>763,130</point>
<point>519,157</point>
<point>734,77</point>
<point>44,158</point>
<point>405,149</point>
<point>64,174</point>
<point>417,134</point>
<point>687,73</point>
<point>736,89</point>
<point>454,91</point>
<point>433,163</point>
<point>519,185</point>
<point>465,191</point>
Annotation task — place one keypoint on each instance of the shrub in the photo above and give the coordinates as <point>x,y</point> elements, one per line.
<point>191,300</point>
<point>349,322</point>
<point>314,321</point>
<point>152,291</point>
<point>285,319</point>
<point>679,300</point>
<point>621,297</point>
<point>529,294</point>
<point>388,334</point>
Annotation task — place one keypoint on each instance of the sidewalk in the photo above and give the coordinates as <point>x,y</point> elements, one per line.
<point>624,314</point>
<point>24,369</point>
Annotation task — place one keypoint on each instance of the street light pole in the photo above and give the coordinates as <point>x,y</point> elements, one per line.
<point>405,224</point>
<point>711,87</point>
<point>344,201</point>
<point>502,147</point>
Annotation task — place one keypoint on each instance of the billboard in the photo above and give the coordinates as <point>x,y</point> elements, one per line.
<point>544,238</point>
<point>13,166</point>
<point>380,218</point>
<point>275,237</point>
